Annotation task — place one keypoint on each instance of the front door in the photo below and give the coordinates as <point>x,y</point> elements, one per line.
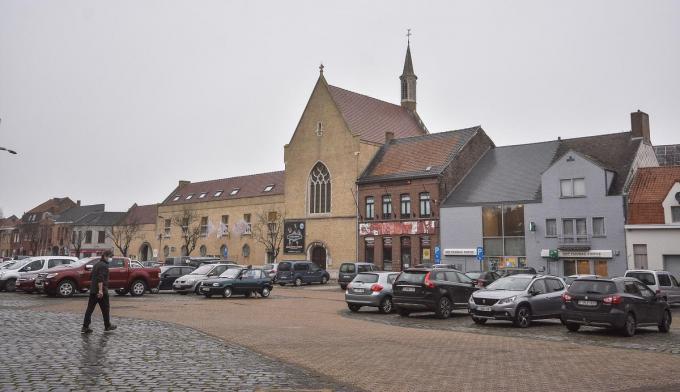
<point>319,256</point>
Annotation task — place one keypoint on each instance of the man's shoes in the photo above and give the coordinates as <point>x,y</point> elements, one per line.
<point>110,328</point>
<point>85,330</point>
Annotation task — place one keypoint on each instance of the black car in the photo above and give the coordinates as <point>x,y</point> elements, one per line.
<point>426,289</point>
<point>482,278</point>
<point>503,272</point>
<point>619,303</point>
<point>243,281</point>
<point>171,272</point>
<point>349,270</point>
<point>299,272</point>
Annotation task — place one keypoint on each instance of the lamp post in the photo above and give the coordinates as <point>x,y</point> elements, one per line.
<point>160,241</point>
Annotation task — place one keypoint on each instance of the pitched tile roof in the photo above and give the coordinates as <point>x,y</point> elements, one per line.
<point>248,186</point>
<point>73,214</point>
<point>371,118</point>
<point>9,222</point>
<point>417,156</point>
<point>668,155</point>
<point>142,215</point>
<point>647,191</point>
<point>53,206</point>
<point>510,173</point>
<point>101,218</point>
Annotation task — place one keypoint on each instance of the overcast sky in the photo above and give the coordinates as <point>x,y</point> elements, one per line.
<point>115,101</point>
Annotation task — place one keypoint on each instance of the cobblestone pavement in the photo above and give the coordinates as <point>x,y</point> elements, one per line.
<point>310,328</point>
<point>45,351</point>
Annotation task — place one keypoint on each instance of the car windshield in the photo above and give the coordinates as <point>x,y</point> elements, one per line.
<point>17,265</point>
<point>644,277</point>
<point>366,278</point>
<point>202,270</point>
<point>231,273</point>
<point>412,277</point>
<point>11,263</point>
<point>512,283</point>
<point>592,287</point>
<point>347,268</point>
<point>473,275</point>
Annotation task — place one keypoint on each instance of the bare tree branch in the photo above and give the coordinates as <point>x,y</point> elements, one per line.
<point>76,241</point>
<point>268,231</point>
<point>122,235</point>
<point>190,226</point>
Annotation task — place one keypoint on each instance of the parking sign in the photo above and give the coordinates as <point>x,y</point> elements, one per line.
<point>480,253</point>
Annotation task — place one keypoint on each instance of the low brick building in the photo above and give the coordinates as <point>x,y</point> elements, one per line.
<point>401,190</point>
<point>36,227</point>
<point>8,234</point>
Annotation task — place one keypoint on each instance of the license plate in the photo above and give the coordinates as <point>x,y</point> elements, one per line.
<point>411,289</point>
<point>358,290</point>
<point>204,289</point>
<point>483,308</point>
<point>587,303</point>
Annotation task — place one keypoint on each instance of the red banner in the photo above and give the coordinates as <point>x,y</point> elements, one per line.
<point>398,228</point>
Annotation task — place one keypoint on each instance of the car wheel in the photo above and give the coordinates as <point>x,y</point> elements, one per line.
<point>11,285</point>
<point>121,291</point>
<point>629,327</point>
<point>282,284</point>
<point>573,327</point>
<point>137,288</point>
<point>479,321</point>
<point>207,295</point>
<point>665,324</point>
<point>298,282</point>
<point>386,305</point>
<point>265,292</point>
<point>403,312</point>
<point>227,292</point>
<point>353,307</point>
<point>66,288</point>
<point>522,317</point>
<point>324,280</point>
<point>197,289</point>
<point>443,310</point>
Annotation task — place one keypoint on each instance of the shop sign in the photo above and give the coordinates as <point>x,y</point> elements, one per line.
<point>387,241</point>
<point>370,241</point>
<point>398,228</point>
<point>460,252</point>
<point>425,240</point>
<point>586,254</point>
<point>294,237</point>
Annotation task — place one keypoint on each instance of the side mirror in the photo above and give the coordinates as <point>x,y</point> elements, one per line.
<point>533,292</point>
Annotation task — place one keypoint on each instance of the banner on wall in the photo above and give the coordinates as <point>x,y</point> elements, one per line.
<point>294,237</point>
<point>398,228</point>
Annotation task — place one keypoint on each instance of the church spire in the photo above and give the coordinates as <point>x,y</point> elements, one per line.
<point>408,79</point>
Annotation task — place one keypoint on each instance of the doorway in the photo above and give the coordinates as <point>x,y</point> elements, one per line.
<point>318,254</point>
<point>145,252</point>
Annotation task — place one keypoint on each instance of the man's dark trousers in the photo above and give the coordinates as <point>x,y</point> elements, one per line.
<point>103,305</point>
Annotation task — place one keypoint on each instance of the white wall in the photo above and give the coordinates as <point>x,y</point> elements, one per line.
<point>660,240</point>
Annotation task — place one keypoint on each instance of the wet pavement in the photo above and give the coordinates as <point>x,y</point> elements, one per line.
<point>45,351</point>
<point>645,339</point>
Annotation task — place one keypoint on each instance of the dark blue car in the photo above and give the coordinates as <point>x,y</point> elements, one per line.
<point>299,272</point>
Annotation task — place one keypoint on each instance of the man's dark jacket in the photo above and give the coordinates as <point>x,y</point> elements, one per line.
<point>100,273</point>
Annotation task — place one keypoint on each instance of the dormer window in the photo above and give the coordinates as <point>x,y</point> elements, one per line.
<point>234,191</point>
<point>268,188</point>
<point>176,198</point>
<point>202,195</point>
<point>218,194</point>
<point>189,196</point>
<point>319,128</point>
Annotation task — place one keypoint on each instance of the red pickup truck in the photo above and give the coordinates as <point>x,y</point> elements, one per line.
<point>125,276</point>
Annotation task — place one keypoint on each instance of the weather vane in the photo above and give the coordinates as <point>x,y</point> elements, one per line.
<point>408,36</point>
<point>321,68</point>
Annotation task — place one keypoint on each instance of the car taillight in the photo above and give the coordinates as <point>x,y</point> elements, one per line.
<point>376,287</point>
<point>428,283</point>
<point>612,300</point>
<point>349,286</point>
<point>480,283</point>
<point>566,297</point>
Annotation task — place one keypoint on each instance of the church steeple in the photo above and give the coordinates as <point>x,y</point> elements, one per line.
<point>408,80</point>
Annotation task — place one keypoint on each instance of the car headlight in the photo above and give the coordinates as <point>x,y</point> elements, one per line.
<point>507,300</point>
<point>471,301</point>
<point>52,275</point>
<point>216,284</point>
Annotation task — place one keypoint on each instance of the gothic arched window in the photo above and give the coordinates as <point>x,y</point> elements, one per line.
<point>319,190</point>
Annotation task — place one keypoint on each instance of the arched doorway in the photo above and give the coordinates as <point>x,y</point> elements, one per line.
<point>318,255</point>
<point>145,252</point>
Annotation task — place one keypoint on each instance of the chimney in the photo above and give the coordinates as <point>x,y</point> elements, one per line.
<point>388,136</point>
<point>78,203</point>
<point>639,125</point>
<point>183,183</point>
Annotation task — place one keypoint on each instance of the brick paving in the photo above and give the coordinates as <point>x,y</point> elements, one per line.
<point>311,329</point>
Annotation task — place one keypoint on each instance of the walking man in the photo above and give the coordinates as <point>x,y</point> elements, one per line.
<point>99,293</point>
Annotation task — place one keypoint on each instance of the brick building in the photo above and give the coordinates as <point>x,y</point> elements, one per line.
<point>36,227</point>
<point>401,190</point>
<point>8,234</point>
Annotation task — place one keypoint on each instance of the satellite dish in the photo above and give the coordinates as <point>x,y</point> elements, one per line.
<point>677,197</point>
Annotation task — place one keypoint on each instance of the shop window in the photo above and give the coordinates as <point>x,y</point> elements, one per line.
<point>387,253</point>
<point>369,248</point>
<point>601,268</point>
<point>405,252</point>
<point>425,251</point>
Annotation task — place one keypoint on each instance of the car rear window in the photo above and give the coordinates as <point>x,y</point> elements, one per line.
<point>347,268</point>
<point>592,287</point>
<point>366,278</point>
<point>644,277</point>
<point>664,280</point>
<point>412,277</point>
<point>284,266</point>
<point>512,283</point>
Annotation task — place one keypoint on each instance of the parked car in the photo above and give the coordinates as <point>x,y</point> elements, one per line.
<point>149,264</point>
<point>482,278</point>
<point>518,298</point>
<point>125,276</point>
<point>349,270</point>
<point>427,289</point>
<point>7,263</point>
<point>502,272</point>
<point>624,304</point>
<point>26,282</point>
<point>10,276</point>
<point>170,273</point>
<point>270,270</point>
<point>661,282</point>
<point>372,289</point>
<point>192,282</point>
<point>571,278</point>
<point>240,281</point>
<point>299,272</point>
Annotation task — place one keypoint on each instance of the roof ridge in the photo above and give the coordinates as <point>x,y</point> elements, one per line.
<point>367,96</point>
<point>236,177</point>
<point>410,138</point>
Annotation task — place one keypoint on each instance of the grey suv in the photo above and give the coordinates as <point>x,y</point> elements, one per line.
<point>349,270</point>
<point>518,298</point>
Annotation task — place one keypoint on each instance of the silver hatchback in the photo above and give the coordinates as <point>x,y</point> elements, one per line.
<point>372,289</point>
<point>518,298</point>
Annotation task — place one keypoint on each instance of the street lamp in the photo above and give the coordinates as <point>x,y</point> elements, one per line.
<point>160,241</point>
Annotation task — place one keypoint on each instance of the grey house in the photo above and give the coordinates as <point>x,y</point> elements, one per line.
<point>557,206</point>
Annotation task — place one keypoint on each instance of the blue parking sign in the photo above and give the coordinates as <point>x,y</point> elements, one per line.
<point>437,255</point>
<point>480,253</point>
